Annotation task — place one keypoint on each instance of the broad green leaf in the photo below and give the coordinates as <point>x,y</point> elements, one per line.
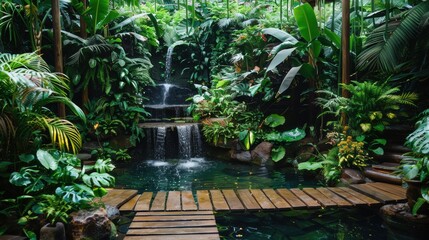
<point>379,127</point>
<point>307,70</point>
<point>335,39</point>
<point>100,192</point>
<point>288,80</point>
<point>274,120</point>
<point>425,192</point>
<point>278,153</point>
<point>378,151</point>
<point>280,57</point>
<point>98,10</point>
<point>19,179</point>
<point>419,203</point>
<point>26,157</point>
<point>360,138</point>
<point>247,137</point>
<point>223,83</point>
<point>112,15</point>
<point>272,136</point>
<point>292,135</point>
<point>4,166</point>
<point>306,21</point>
<point>311,166</point>
<point>280,35</point>
<point>381,141</point>
<point>46,159</point>
<point>316,48</point>
<point>254,89</point>
<point>410,171</point>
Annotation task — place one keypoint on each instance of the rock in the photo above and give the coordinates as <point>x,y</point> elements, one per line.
<point>242,156</point>
<point>56,232</point>
<point>91,224</point>
<point>84,156</point>
<point>112,212</point>
<point>404,225</point>
<point>352,176</point>
<point>262,153</point>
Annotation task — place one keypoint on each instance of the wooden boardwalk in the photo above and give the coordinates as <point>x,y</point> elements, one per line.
<point>186,215</point>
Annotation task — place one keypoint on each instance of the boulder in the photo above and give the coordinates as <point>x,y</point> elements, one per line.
<point>352,176</point>
<point>91,224</point>
<point>242,156</point>
<point>56,232</point>
<point>403,224</point>
<point>262,153</point>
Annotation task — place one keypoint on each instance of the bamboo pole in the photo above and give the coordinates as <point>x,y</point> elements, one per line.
<point>58,49</point>
<point>345,51</point>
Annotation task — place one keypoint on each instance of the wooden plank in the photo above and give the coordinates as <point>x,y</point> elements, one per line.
<point>175,237</point>
<point>110,197</point>
<point>200,223</point>
<point>322,199</point>
<point>174,213</point>
<point>373,192</point>
<point>175,231</point>
<point>143,204</point>
<point>204,202</point>
<point>293,200</point>
<point>232,199</point>
<point>341,202</point>
<point>219,202</point>
<point>172,218</point>
<point>173,201</point>
<point>188,202</point>
<point>369,201</point>
<point>158,203</point>
<point>309,201</point>
<point>247,199</point>
<point>118,197</point>
<point>347,195</point>
<point>390,188</point>
<point>262,200</point>
<point>395,197</point>
<point>276,199</point>
<point>129,206</point>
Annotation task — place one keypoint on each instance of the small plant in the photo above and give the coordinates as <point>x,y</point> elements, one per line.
<point>345,152</point>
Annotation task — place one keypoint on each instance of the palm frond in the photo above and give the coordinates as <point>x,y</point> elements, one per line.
<point>63,134</point>
<point>386,45</point>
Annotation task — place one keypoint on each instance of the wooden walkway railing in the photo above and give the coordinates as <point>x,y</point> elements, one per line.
<point>159,208</point>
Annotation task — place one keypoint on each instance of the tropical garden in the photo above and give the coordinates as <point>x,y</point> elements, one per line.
<point>329,77</point>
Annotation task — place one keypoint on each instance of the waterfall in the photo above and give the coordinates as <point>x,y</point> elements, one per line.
<point>197,143</point>
<point>168,60</point>
<point>184,137</point>
<point>165,92</point>
<point>159,146</point>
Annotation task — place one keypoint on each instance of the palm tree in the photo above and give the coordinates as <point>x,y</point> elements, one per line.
<point>27,87</point>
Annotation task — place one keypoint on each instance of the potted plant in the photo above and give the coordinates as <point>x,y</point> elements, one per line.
<point>415,166</point>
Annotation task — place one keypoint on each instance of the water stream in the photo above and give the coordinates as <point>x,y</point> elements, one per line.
<point>168,60</point>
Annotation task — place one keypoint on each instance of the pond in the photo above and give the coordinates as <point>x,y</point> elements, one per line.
<point>208,173</point>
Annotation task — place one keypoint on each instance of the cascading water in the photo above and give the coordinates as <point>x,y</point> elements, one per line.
<point>159,146</point>
<point>184,136</point>
<point>197,141</point>
<point>166,92</point>
<point>168,60</point>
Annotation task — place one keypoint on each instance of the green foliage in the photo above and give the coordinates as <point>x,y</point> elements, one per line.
<point>27,87</point>
<point>371,107</point>
<point>55,184</point>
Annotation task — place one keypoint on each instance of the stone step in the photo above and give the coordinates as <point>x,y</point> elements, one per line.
<point>396,148</point>
<point>386,167</point>
<point>389,157</point>
<point>380,176</point>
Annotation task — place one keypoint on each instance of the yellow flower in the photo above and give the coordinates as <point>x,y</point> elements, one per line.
<point>96,126</point>
<point>391,115</point>
<point>365,127</point>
